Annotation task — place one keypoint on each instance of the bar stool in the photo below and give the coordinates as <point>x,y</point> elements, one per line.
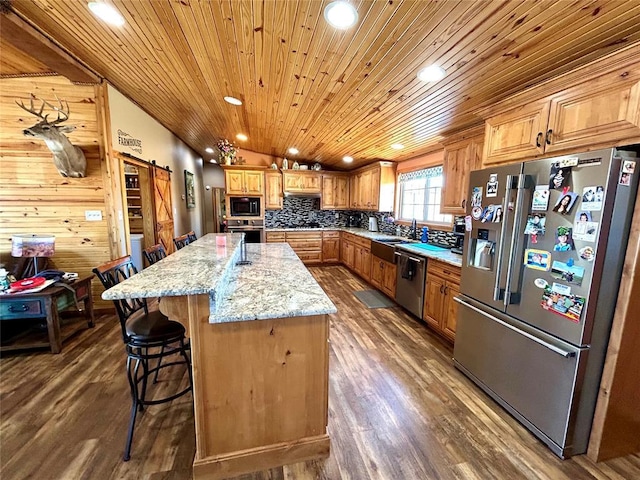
<point>192,236</point>
<point>181,241</point>
<point>154,254</point>
<point>143,333</point>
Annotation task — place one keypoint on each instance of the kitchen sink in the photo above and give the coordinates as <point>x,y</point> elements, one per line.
<point>384,250</point>
<point>428,247</point>
<point>394,241</point>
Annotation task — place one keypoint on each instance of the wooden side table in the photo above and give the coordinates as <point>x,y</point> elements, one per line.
<point>48,304</point>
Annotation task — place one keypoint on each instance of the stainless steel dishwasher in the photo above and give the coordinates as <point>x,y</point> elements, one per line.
<point>411,278</point>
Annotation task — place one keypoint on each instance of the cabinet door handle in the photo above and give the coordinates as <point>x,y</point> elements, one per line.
<point>549,134</point>
<point>21,308</point>
<point>464,203</point>
<point>446,290</point>
<point>539,140</point>
<point>442,289</point>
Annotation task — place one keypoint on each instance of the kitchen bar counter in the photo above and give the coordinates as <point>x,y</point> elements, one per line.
<point>259,347</point>
<point>444,256</point>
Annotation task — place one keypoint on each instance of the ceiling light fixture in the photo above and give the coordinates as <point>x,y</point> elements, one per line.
<point>242,137</point>
<point>208,150</point>
<point>397,146</point>
<point>233,100</point>
<point>340,14</point>
<point>106,13</point>
<point>347,159</point>
<point>212,161</point>
<point>293,151</point>
<point>432,73</point>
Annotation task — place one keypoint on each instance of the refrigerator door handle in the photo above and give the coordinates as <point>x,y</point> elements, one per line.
<point>553,348</point>
<point>515,235</point>
<point>497,291</point>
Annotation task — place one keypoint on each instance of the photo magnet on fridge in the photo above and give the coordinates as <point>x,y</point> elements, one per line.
<point>476,213</point>
<point>565,203</point>
<point>564,240</point>
<point>587,253</point>
<point>535,224</point>
<point>568,273</point>
<point>583,228</point>
<point>492,185</point>
<point>476,197</point>
<point>568,306</point>
<point>537,259</point>
<point>625,178</point>
<point>592,198</point>
<point>558,176</point>
<point>488,213</point>
<point>540,198</point>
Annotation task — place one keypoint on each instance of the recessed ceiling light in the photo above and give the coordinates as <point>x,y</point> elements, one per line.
<point>340,14</point>
<point>208,150</point>
<point>242,136</point>
<point>107,13</point>
<point>432,73</point>
<point>347,159</point>
<point>212,161</point>
<point>397,146</point>
<point>233,100</point>
<point>293,151</point>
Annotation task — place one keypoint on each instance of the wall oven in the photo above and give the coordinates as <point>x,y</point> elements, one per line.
<point>253,229</point>
<point>244,207</point>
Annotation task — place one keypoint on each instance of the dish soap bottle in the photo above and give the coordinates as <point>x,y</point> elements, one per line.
<point>4,281</point>
<point>425,235</point>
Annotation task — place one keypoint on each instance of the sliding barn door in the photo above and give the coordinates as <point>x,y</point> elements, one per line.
<point>163,212</point>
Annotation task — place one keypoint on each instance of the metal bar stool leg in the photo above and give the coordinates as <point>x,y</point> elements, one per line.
<point>132,375</point>
<point>155,377</point>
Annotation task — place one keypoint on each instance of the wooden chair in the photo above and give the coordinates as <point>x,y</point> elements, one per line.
<point>154,254</point>
<point>181,241</point>
<point>192,236</point>
<point>143,333</point>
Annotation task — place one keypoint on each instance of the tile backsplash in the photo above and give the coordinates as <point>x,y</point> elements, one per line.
<point>303,211</point>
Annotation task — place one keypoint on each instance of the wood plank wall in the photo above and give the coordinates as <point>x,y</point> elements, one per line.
<point>34,197</point>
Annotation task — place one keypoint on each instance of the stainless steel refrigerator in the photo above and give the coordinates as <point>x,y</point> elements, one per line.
<point>543,256</point>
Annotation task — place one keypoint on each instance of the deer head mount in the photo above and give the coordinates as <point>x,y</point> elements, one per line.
<point>68,159</point>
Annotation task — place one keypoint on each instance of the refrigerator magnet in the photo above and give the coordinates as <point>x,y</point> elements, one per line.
<point>476,213</point>
<point>564,239</point>
<point>568,162</point>
<point>558,176</point>
<point>568,273</point>
<point>592,198</point>
<point>565,203</point>
<point>492,185</point>
<point>540,282</point>
<point>535,224</point>
<point>587,253</point>
<point>540,198</point>
<point>567,306</point>
<point>629,166</point>
<point>467,223</point>
<point>583,228</point>
<point>476,197</point>
<point>560,288</point>
<point>488,213</point>
<point>537,259</point>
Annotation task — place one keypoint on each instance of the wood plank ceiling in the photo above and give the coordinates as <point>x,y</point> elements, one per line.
<point>325,91</point>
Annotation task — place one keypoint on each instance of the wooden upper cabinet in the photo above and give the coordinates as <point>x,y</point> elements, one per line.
<point>516,134</point>
<point>373,187</point>
<point>335,191</point>
<point>242,181</point>
<point>462,154</point>
<point>600,112</point>
<point>273,191</point>
<point>302,182</point>
<point>604,111</point>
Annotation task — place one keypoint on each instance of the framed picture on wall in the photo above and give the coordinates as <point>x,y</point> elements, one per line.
<point>189,189</point>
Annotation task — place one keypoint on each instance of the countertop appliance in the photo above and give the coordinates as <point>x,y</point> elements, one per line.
<point>244,206</point>
<point>540,278</point>
<point>253,229</point>
<point>458,232</point>
<point>353,221</point>
<point>373,224</point>
<point>411,275</point>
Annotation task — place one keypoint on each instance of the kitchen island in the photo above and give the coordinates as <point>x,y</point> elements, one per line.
<point>260,358</point>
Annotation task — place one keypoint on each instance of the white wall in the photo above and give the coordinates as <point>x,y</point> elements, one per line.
<point>145,138</point>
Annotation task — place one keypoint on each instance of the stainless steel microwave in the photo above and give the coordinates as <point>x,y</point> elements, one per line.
<point>244,206</point>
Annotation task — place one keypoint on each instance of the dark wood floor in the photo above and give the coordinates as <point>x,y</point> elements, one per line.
<point>397,410</point>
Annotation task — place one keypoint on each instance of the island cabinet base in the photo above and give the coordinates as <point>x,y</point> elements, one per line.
<point>260,389</point>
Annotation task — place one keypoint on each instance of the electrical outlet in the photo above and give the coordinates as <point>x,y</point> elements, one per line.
<point>337,215</point>
<point>93,215</point>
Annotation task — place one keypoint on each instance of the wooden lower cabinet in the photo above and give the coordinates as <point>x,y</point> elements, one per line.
<point>347,252</point>
<point>362,262</point>
<point>440,308</point>
<point>330,247</point>
<point>383,276</point>
<point>307,245</point>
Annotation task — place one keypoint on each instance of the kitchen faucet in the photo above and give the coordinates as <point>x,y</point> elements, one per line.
<point>413,233</point>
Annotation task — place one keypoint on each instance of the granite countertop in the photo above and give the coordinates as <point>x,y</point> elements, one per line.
<point>275,285</point>
<point>445,256</point>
